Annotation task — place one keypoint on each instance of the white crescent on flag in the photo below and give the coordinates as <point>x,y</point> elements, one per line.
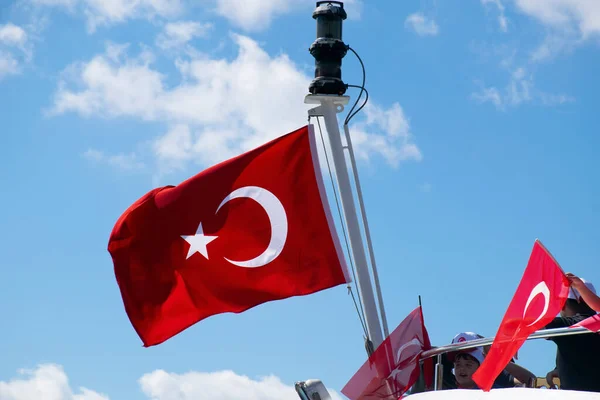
<point>277,218</point>
<point>411,343</point>
<point>540,288</point>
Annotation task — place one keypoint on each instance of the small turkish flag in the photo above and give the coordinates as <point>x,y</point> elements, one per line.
<point>394,366</point>
<point>541,295</point>
<point>591,323</point>
<point>252,229</point>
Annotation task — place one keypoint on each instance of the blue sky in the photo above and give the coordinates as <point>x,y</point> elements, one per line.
<point>480,136</point>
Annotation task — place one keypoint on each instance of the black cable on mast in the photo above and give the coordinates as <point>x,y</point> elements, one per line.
<point>362,88</point>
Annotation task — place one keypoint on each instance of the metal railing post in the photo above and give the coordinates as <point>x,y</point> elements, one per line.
<point>439,374</point>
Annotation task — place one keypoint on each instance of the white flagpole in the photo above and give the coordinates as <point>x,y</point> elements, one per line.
<point>329,106</point>
<point>363,212</point>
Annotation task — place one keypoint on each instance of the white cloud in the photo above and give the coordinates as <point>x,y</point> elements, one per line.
<point>257,15</point>
<point>114,85</point>
<point>249,15</point>
<point>520,89</point>
<point>176,148</point>
<point>566,15</point>
<point>502,20</point>
<point>107,12</point>
<point>8,65</point>
<point>123,162</point>
<point>489,94</point>
<point>353,8</point>
<point>48,382</point>
<point>12,35</point>
<point>176,34</point>
<point>555,99</point>
<point>570,22</point>
<point>253,15</point>
<point>15,49</point>
<point>222,385</point>
<point>552,45</point>
<point>517,91</point>
<point>220,108</point>
<point>385,132</point>
<point>422,25</point>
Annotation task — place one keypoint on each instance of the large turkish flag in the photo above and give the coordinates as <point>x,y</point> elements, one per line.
<point>251,229</point>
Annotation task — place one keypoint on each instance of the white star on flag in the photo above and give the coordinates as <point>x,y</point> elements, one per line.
<point>198,242</point>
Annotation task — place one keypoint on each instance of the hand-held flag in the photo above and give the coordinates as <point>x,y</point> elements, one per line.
<point>540,296</point>
<point>394,366</point>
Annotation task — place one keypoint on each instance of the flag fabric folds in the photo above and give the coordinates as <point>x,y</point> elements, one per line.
<point>394,366</point>
<point>540,296</point>
<point>252,229</point>
<point>591,323</point>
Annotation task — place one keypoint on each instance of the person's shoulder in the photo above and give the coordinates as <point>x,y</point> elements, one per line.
<point>562,322</point>
<point>565,322</point>
<point>559,322</point>
<point>581,317</point>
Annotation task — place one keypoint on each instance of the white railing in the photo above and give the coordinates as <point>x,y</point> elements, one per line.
<point>471,344</point>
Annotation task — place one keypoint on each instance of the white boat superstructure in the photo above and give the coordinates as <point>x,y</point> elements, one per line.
<point>506,394</point>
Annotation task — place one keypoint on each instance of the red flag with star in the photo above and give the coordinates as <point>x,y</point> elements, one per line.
<point>252,229</point>
<point>541,295</point>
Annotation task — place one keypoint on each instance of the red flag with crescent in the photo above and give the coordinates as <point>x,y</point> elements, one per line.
<point>394,366</point>
<point>252,229</point>
<point>540,296</point>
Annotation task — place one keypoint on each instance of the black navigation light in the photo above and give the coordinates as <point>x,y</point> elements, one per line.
<point>329,49</point>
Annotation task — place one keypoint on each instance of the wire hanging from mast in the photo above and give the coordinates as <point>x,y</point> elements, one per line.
<point>359,306</point>
<point>362,88</point>
<point>363,211</point>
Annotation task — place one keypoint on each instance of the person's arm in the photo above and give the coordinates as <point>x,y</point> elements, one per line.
<point>550,377</point>
<point>559,322</point>
<point>521,374</point>
<point>590,298</point>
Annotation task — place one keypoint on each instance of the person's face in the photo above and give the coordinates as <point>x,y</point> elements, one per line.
<point>464,368</point>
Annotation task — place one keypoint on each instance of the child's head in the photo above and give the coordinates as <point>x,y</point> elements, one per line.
<point>465,365</point>
<point>466,361</point>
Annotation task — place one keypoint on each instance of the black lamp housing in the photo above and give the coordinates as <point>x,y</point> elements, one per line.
<point>329,49</point>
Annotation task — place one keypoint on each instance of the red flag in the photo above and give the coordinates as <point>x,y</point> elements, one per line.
<point>591,323</point>
<point>394,366</point>
<point>252,229</point>
<point>539,297</point>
